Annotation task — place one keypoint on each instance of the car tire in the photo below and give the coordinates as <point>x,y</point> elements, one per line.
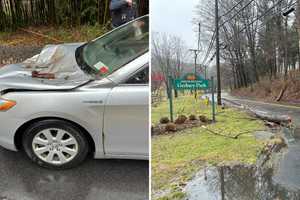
<point>68,147</point>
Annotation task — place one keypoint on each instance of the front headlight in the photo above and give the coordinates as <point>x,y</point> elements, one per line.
<point>6,104</point>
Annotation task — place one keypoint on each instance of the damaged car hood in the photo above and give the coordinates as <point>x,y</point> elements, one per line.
<point>58,60</point>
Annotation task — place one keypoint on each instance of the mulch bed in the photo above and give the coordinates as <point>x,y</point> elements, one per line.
<point>160,129</point>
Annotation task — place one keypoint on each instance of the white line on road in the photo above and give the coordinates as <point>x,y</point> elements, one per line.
<point>260,102</point>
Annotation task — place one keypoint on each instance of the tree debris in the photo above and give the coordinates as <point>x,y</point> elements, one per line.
<point>235,136</point>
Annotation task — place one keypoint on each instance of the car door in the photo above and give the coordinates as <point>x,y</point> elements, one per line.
<point>126,118</point>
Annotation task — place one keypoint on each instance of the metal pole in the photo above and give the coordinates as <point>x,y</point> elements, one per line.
<point>199,36</point>
<point>222,181</point>
<point>196,51</point>
<point>170,98</point>
<point>213,99</point>
<point>218,52</point>
<point>196,55</point>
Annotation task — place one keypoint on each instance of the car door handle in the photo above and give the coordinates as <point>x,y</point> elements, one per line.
<point>93,102</point>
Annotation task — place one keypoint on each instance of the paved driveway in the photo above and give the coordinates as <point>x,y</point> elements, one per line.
<point>94,180</point>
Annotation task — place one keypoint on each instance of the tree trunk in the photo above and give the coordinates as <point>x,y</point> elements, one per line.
<point>298,23</point>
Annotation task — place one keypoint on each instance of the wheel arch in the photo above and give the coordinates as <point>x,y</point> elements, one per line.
<point>20,131</point>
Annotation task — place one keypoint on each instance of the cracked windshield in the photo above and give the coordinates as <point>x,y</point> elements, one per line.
<point>118,48</point>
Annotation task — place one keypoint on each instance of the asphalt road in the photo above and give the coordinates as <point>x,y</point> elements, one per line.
<point>94,180</point>
<point>288,173</point>
<point>292,111</point>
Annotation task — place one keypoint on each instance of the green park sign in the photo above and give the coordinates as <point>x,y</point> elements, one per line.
<point>190,85</point>
<point>191,82</point>
<point>194,82</point>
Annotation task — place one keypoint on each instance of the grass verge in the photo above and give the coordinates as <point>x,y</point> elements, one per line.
<point>51,35</point>
<point>176,157</point>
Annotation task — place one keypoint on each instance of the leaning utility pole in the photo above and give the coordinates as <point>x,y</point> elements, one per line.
<point>198,50</point>
<point>196,53</point>
<point>218,53</point>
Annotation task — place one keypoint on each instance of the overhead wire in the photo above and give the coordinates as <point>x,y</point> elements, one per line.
<point>209,48</point>
<point>231,9</point>
<point>252,22</point>
<point>274,14</point>
<point>238,12</point>
<point>214,34</point>
<point>261,16</point>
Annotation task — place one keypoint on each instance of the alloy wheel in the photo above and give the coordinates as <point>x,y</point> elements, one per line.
<point>55,146</point>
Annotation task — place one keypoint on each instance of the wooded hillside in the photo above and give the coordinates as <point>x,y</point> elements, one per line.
<point>20,13</point>
<point>258,38</point>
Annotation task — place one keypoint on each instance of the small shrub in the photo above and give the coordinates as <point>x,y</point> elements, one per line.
<point>192,117</point>
<point>164,120</point>
<point>203,119</point>
<point>170,127</point>
<point>180,119</point>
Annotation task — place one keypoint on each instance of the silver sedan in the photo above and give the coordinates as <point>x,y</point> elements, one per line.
<point>76,99</point>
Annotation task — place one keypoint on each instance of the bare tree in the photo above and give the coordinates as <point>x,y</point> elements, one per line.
<point>162,53</point>
<point>256,39</point>
<point>180,53</point>
<point>168,53</point>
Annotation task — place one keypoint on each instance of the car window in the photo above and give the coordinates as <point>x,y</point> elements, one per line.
<point>114,50</point>
<point>141,77</point>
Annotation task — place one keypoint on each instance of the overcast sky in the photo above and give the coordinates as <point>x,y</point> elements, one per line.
<point>174,17</point>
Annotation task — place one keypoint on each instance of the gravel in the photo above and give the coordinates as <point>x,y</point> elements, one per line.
<point>16,54</point>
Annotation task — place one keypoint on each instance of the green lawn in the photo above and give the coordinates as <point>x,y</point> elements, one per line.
<point>176,157</point>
